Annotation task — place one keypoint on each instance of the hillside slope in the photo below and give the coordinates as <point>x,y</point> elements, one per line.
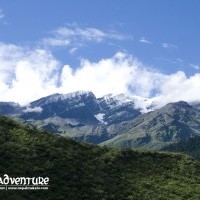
<point>190,147</point>
<point>79,171</point>
<point>172,123</point>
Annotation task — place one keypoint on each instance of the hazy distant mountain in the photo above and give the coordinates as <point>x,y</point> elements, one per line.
<point>10,108</point>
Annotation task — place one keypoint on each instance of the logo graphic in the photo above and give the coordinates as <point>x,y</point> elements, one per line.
<point>24,183</point>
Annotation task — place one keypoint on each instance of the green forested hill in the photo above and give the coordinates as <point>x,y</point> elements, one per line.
<point>79,171</point>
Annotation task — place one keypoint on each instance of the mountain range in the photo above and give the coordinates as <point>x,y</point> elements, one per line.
<point>113,120</point>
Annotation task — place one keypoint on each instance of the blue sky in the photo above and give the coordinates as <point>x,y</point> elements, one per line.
<point>162,35</point>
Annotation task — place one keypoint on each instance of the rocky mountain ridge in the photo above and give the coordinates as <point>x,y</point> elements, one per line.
<point>170,124</point>
<point>113,120</point>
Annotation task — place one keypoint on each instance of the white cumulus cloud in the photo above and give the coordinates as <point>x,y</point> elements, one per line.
<point>119,74</point>
<point>29,74</point>
<point>178,87</point>
<point>35,109</point>
<point>26,74</point>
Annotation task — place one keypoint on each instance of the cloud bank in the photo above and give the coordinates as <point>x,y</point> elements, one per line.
<point>29,74</point>
<point>26,74</point>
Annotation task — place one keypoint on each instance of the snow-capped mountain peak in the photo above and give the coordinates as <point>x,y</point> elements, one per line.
<point>141,103</point>
<point>73,96</point>
<point>116,100</point>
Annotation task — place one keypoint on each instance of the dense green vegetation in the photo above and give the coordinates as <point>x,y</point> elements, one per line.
<point>190,147</point>
<point>79,171</point>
